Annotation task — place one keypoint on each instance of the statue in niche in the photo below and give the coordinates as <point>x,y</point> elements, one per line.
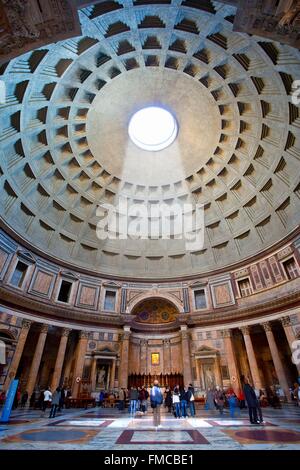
<point>209,377</point>
<point>101,377</point>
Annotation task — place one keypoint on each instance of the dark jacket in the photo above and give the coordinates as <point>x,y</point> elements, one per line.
<point>250,396</point>
<point>133,394</point>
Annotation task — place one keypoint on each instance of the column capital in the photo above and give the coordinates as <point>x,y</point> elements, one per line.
<point>245,330</point>
<point>225,333</point>
<point>83,334</point>
<point>125,336</point>
<point>44,328</point>
<point>286,321</point>
<point>143,342</point>
<point>65,331</point>
<point>26,324</point>
<point>267,326</point>
<point>166,342</point>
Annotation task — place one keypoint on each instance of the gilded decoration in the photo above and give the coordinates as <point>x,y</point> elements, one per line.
<point>155,311</point>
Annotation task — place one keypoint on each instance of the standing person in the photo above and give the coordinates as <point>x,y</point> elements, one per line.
<point>133,397</point>
<point>168,399</point>
<point>219,399</point>
<point>47,398</point>
<point>210,403</point>
<point>241,398</point>
<point>156,399</point>
<point>24,399</point>
<point>233,405</point>
<point>191,400</point>
<point>55,402</point>
<point>184,401</point>
<point>32,400</point>
<point>176,402</point>
<point>144,398</point>
<point>122,398</point>
<point>62,399</point>
<point>251,400</point>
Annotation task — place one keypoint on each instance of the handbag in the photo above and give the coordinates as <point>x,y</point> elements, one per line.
<point>192,398</point>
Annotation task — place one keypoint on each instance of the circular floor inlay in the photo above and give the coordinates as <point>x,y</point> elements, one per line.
<point>153,128</point>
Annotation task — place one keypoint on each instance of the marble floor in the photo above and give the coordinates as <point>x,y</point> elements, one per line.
<point>110,429</point>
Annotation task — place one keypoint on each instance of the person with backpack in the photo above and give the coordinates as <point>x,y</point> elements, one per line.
<point>156,399</point>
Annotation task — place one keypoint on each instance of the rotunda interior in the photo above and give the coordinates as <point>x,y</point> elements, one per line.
<point>121,265</point>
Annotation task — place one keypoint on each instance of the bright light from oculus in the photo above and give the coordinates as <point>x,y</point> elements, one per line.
<point>153,128</point>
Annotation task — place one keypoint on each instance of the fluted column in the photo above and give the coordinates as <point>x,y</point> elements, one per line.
<point>80,358</point>
<point>290,335</point>
<point>112,374</point>
<point>123,371</point>
<point>143,353</point>
<point>11,373</point>
<point>93,374</point>
<point>231,360</point>
<point>251,358</point>
<point>277,360</point>
<point>36,361</point>
<point>186,359</point>
<point>60,359</point>
<point>167,357</point>
<point>218,373</point>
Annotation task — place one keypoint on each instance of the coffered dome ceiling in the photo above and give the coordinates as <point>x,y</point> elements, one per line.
<point>64,145</point>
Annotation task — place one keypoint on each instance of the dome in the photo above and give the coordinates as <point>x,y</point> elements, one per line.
<point>65,150</point>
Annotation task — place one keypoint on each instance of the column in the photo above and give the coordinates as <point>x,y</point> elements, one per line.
<point>186,359</point>
<point>251,358</point>
<point>167,357</point>
<point>93,374</point>
<point>123,370</point>
<point>231,360</point>
<point>143,353</point>
<point>218,373</point>
<point>113,373</point>
<point>80,358</point>
<point>290,335</point>
<point>60,359</point>
<point>198,379</point>
<point>11,373</point>
<point>277,360</point>
<point>36,361</point>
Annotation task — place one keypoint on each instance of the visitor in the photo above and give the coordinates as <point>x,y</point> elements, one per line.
<point>55,402</point>
<point>252,401</point>
<point>24,399</point>
<point>219,399</point>
<point>133,399</point>
<point>47,398</point>
<point>176,402</point>
<point>62,399</point>
<point>191,400</point>
<point>168,399</point>
<point>122,399</point>
<point>209,402</point>
<point>263,399</point>
<point>184,401</point>
<point>17,399</point>
<point>241,398</point>
<point>144,399</point>
<point>41,400</point>
<point>156,399</point>
<point>101,399</point>
<point>233,405</point>
<point>2,398</point>
<point>32,400</point>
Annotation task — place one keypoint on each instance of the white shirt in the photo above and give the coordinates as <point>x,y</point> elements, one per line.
<point>47,395</point>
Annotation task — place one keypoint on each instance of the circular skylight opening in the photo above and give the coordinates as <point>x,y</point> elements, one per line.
<point>152,128</point>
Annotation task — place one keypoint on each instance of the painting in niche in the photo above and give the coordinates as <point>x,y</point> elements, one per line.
<point>155,359</point>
